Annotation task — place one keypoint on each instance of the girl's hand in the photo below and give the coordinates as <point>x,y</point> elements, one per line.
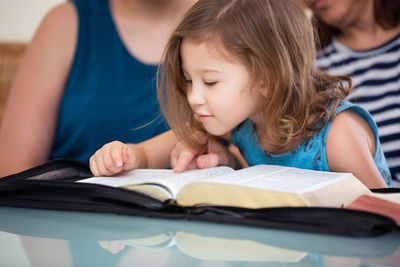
<point>185,158</point>
<point>114,158</point>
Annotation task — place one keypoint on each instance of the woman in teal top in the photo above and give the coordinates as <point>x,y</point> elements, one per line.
<point>87,78</point>
<point>104,77</point>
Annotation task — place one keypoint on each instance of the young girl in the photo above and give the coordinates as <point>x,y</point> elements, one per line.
<point>244,71</point>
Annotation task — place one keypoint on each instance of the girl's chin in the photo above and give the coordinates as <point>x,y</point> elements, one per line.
<point>217,132</point>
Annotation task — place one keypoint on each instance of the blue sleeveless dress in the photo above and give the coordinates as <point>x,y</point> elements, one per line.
<point>310,154</point>
<point>109,95</point>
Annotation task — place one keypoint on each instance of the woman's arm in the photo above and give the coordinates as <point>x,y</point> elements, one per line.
<point>350,148</point>
<point>29,121</point>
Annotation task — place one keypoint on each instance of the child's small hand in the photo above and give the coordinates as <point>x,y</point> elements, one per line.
<point>113,158</point>
<point>185,158</point>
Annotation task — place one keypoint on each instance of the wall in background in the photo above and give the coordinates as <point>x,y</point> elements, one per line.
<point>20,18</point>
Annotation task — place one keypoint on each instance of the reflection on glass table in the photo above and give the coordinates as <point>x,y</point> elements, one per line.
<point>30,237</point>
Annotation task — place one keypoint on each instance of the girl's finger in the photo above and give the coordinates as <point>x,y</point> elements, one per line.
<point>208,160</point>
<point>116,156</point>
<point>93,166</point>
<point>192,165</point>
<point>173,158</point>
<point>129,158</point>
<point>100,166</point>
<point>124,154</point>
<point>186,156</point>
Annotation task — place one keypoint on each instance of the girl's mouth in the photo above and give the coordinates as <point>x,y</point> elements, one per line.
<point>203,117</point>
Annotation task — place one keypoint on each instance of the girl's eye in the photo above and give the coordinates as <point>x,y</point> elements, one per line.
<point>210,83</point>
<point>188,81</point>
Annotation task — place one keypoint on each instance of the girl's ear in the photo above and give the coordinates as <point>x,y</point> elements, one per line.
<point>263,90</point>
<point>262,87</point>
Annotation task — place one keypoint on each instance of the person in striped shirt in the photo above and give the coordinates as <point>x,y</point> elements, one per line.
<point>361,39</point>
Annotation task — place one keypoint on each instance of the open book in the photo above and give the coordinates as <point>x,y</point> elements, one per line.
<point>259,186</point>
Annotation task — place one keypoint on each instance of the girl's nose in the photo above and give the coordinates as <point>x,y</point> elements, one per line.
<point>196,95</point>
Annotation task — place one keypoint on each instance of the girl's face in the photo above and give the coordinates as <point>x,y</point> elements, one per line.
<point>217,89</point>
<point>341,13</point>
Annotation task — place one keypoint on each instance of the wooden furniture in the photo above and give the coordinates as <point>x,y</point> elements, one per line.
<point>10,55</point>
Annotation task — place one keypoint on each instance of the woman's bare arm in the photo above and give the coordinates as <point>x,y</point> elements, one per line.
<point>29,121</point>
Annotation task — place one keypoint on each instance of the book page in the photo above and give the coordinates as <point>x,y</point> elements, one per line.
<point>129,177</point>
<point>179,180</point>
<point>278,178</point>
<point>167,178</point>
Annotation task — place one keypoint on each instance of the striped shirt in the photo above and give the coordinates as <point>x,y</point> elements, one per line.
<point>376,80</point>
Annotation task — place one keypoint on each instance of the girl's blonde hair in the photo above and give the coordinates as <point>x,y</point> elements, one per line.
<point>274,39</point>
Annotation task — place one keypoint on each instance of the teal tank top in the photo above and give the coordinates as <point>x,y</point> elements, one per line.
<point>310,154</point>
<point>109,95</point>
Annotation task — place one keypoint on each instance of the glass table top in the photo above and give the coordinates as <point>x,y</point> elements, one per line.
<point>30,237</point>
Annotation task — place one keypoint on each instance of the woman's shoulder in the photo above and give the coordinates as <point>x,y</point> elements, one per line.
<point>58,30</point>
<point>60,23</point>
<point>65,12</point>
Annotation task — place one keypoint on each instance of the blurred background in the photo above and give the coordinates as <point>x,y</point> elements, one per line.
<point>18,22</point>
